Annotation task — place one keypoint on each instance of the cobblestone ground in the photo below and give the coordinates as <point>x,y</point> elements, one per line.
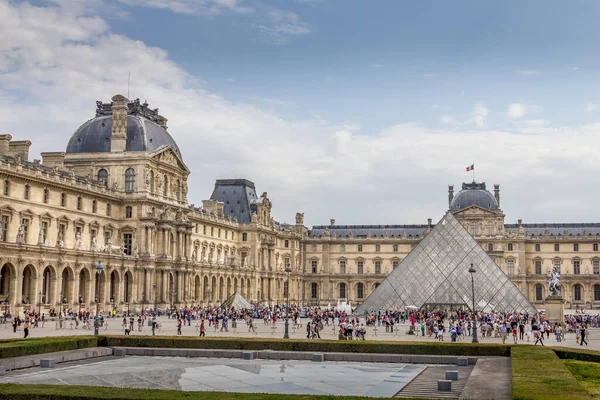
<point>113,326</point>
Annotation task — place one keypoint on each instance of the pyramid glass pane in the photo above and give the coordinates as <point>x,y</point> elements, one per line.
<point>435,273</point>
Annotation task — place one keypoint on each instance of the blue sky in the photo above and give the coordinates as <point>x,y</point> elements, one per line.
<point>359,111</point>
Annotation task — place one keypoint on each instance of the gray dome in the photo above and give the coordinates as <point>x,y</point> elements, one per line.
<point>142,135</point>
<point>473,194</point>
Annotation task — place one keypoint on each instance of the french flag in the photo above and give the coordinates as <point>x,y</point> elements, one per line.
<point>471,168</point>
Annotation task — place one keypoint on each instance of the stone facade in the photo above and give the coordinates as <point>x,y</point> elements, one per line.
<point>118,196</point>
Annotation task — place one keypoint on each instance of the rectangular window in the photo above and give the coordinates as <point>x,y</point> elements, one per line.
<point>377,267</point>
<point>395,264</point>
<point>128,212</point>
<point>360,267</point>
<point>313,265</point>
<point>313,290</point>
<point>511,267</point>
<point>342,248</point>
<point>108,210</point>
<point>596,264</point>
<point>360,248</point>
<point>6,187</point>
<point>63,200</point>
<point>127,243</point>
<point>557,265</point>
<point>204,229</point>
<point>313,248</point>
<point>595,247</point>
<point>26,194</point>
<point>395,248</point>
<point>212,231</point>
<point>557,247</point>
<point>4,228</point>
<point>576,247</point>
<point>219,232</point>
<point>342,267</point>
<point>77,231</point>
<point>226,234</point>
<point>79,203</point>
<point>94,206</point>
<point>286,244</point>
<point>377,248</point>
<point>577,267</point>
<point>537,247</point>
<point>244,236</point>
<point>25,224</point>
<point>107,237</point>
<point>46,196</point>
<point>538,267</point>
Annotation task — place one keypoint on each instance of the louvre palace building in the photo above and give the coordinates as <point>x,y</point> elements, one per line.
<point>108,223</point>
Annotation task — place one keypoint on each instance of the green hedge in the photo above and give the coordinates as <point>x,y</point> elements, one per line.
<point>343,346</point>
<point>581,355</point>
<point>25,347</point>
<point>538,373</point>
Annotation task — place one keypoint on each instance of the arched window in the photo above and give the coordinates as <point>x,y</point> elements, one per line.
<point>286,286</point>
<point>378,267</point>
<point>165,183</point>
<point>596,292</point>
<point>342,290</point>
<point>510,247</point>
<point>539,292</point>
<point>103,177</point>
<point>360,291</point>
<point>129,180</point>
<point>490,246</point>
<point>474,228</point>
<point>313,290</point>
<point>511,266</point>
<point>538,267</point>
<point>577,292</point>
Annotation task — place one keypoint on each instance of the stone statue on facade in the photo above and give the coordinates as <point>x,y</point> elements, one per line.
<point>94,245</point>
<point>41,237</point>
<point>59,239</point>
<point>554,285</point>
<point>148,181</point>
<point>21,235</point>
<point>300,218</point>
<point>254,218</point>
<point>78,241</point>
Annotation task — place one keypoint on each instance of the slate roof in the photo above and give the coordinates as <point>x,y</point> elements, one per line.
<point>473,193</point>
<point>558,229</point>
<point>375,230</point>
<point>239,198</point>
<point>142,135</point>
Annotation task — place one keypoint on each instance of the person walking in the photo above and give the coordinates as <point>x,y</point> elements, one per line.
<point>178,326</point>
<point>153,327</point>
<point>26,329</point>
<point>583,333</point>
<point>202,328</point>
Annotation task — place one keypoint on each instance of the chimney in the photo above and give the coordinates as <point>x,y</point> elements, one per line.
<point>118,138</point>
<point>5,144</point>
<point>497,193</point>
<point>162,121</point>
<point>332,222</point>
<point>54,158</point>
<point>520,221</point>
<point>450,194</point>
<point>20,148</point>
<point>428,221</point>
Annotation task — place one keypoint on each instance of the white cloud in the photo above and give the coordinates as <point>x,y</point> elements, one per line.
<point>516,110</point>
<point>197,7</point>
<point>446,119</point>
<point>479,115</point>
<point>591,107</point>
<point>282,25</point>
<point>528,72</point>
<point>54,64</point>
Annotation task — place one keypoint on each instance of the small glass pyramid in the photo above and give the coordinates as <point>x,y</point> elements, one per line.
<point>435,275</point>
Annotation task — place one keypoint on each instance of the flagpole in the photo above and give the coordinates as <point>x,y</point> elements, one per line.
<point>473,170</point>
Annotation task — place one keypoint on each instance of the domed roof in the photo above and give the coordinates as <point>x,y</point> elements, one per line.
<point>143,133</point>
<point>473,194</point>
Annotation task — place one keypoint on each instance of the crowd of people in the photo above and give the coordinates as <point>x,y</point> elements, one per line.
<point>441,325</point>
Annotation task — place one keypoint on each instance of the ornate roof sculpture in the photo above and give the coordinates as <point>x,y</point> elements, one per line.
<point>435,273</point>
<point>237,301</point>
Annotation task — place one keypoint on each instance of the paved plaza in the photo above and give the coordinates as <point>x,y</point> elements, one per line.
<point>113,326</point>
<point>231,375</point>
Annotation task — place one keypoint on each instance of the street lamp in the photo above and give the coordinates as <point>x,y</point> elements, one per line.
<point>40,303</point>
<point>155,297</point>
<point>286,333</point>
<point>472,272</point>
<point>128,300</point>
<point>99,268</point>
<point>172,300</point>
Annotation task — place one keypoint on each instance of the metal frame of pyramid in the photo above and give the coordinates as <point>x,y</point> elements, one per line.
<point>436,273</point>
<point>238,301</point>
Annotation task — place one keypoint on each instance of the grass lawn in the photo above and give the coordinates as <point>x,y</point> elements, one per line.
<point>538,373</point>
<point>588,375</point>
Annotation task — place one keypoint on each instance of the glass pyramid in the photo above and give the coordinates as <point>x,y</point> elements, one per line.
<point>435,274</point>
<point>238,301</point>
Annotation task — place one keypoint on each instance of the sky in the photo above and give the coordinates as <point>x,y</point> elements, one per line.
<point>359,111</point>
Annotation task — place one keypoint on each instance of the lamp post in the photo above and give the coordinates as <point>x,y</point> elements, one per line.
<point>128,300</point>
<point>99,268</point>
<point>40,303</point>
<point>172,300</point>
<point>472,271</point>
<point>155,298</point>
<point>286,333</point>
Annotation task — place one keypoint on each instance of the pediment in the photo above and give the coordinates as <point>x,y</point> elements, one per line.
<point>474,211</point>
<point>7,209</point>
<point>79,221</point>
<point>168,156</point>
<point>28,212</point>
